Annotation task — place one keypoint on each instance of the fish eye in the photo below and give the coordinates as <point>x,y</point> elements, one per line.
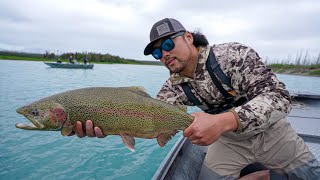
<point>35,112</point>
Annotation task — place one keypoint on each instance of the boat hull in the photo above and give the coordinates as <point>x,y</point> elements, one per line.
<point>69,66</point>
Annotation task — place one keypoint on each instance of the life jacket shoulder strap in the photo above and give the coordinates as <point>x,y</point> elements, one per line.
<point>187,90</point>
<point>214,70</point>
<point>195,101</point>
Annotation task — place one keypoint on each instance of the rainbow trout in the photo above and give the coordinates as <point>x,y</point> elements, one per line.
<point>126,111</point>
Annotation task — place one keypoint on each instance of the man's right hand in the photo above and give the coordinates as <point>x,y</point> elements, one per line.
<point>89,130</point>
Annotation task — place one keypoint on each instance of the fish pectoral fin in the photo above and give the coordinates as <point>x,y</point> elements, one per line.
<point>165,137</point>
<point>65,131</point>
<point>128,141</point>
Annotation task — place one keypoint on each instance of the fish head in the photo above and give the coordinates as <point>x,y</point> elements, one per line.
<point>44,115</point>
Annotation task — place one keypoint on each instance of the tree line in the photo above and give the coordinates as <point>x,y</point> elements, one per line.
<point>92,57</point>
<point>302,58</point>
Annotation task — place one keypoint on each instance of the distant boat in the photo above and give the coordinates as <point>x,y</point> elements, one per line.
<point>69,65</point>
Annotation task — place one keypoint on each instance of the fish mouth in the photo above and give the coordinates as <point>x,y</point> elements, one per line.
<point>27,126</point>
<point>34,125</point>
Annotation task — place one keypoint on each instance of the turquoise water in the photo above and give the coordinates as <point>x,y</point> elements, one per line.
<point>48,155</point>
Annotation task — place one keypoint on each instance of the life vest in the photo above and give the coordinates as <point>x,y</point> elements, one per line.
<point>215,71</point>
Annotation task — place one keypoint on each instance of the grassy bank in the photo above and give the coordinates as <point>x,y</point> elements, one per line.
<point>91,57</point>
<point>21,58</point>
<point>309,70</point>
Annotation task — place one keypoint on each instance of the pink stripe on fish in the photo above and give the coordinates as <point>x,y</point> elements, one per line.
<point>130,113</point>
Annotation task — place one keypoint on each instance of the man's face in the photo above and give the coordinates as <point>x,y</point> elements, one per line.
<point>177,58</point>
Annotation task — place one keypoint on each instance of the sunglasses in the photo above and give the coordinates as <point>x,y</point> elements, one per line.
<point>166,45</point>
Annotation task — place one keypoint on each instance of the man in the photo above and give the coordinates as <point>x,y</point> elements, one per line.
<point>85,60</point>
<point>71,59</point>
<point>245,105</point>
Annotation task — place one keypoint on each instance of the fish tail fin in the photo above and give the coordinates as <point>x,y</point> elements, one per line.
<point>165,137</point>
<point>182,107</point>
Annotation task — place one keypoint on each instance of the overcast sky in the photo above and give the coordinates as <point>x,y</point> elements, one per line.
<point>276,29</point>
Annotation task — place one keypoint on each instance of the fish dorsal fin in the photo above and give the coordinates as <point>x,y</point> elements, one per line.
<point>128,141</point>
<point>165,137</point>
<point>138,90</point>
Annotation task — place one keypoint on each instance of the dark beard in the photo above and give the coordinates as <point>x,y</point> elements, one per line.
<point>182,63</point>
<point>178,69</point>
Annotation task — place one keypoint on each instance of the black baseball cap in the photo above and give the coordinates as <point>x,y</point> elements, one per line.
<point>160,29</point>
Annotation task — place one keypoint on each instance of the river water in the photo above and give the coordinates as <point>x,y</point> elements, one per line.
<point>48,155</point>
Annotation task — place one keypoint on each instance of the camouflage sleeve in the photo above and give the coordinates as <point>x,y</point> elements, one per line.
<point>269,101</point>
<point>167,94</point>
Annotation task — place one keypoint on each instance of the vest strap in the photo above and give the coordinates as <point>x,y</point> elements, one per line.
<point>215,71</point>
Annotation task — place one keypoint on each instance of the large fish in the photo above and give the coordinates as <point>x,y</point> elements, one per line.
<point>126,111</point>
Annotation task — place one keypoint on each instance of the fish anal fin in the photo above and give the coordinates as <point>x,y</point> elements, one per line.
<point>165,137</point>
<point>128,141</point>
<point>65,131</point>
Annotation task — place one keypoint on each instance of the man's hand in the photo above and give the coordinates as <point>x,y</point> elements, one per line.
<point>207,128</point>
<point>89,131</point>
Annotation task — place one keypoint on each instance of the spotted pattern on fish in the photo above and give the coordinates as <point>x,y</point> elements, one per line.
<point>128,111</point>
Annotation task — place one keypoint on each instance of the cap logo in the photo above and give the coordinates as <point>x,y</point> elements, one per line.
<point>163,28</point>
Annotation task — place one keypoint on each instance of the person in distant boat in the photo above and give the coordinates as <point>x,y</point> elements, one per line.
<point>71,59</point>
<point>245,105</point>
<point>85,60</point>
<point>59,61</point>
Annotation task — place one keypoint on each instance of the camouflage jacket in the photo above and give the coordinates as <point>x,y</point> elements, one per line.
<point>268,100</point>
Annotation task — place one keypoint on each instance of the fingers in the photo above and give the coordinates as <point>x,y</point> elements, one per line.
<point>78,130</point>
<point>89,129</point>
<point>93,131</point>
<point>192,135</point>
<point>72,133</point>
<point>98,132</point>
<point>194,139</point>
<point>188,131</point>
